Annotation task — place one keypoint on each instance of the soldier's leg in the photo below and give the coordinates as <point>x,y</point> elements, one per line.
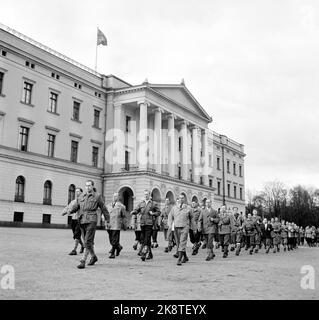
<point>177,240</point>
<point>90,242</point>
<point>226,244</point>
<point>257,242</point>
<point>148,241</point>
<point>238,242</point>
<point>252,243</point>
<point>232,241</point>
<point>210,247</point>
<point>183,244</point>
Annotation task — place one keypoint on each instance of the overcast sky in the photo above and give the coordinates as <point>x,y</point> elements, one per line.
<point>253,65</point>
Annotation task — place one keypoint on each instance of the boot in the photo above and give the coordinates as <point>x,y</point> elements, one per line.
<point>118,249</point>
<point>225,255</point>
<point>185,258</point>
<point>81,265</point>
<point>267,250</point>
<point>251,250</point>
<point>155,245</point>
<point>180,255</point>
<point>209,255</point>
<point>135,245</point>
<point>140,251</point>
<point>176,255</point>
<point>72,253</point>
<point>166,250</point>
<point>204,246</point>
<point>237,249</point>
<point>112,251</point>
<point>92,261</point>
<point>232,248</point>
<point>278,248</point>
<point>150,254</point>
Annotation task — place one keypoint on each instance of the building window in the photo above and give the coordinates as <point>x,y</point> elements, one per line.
<point>180,144</point>
<point>218,163</point>
<point>240,171</point>
<point>24,136</point>
<point>51,142</point>
<point>19,192</point>
<point>46,218</point>
<point>211,183</point>
<point>179,172</point>
<point>210,160</point>
<point>53,102</point>
<point>95,156</point>
<point>235,192</point>
<point>228,166</point>
<point>1,81</point>
<point>74,151</point>
<point>201,180</point>
<point>218,188</point>
<point>228,189</point>
<point>128,124</point>
<point>127,159</point>
<point>71,193</point>
<point>47,194</point>
<point>96,122</point>
<point>18,216</point>
<point>234,169</point>
<point>27,92</point>
<point>4,53</point>
<point>76,110</point>
<point>241,193</point>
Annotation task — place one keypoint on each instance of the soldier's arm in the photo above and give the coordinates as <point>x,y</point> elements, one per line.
<point>136,210</point>
<point>75,208</point>
<point>170,219</point>
<point>104,210</point>
<point>200,221</point>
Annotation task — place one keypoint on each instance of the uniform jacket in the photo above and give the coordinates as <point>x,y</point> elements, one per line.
<point>145,209</point>
<point>224,224</point>
<point>87,204</point>
<point>291,232</point>
<point>249,227</point>
<point>196,213</point>
<point>164,216</point>
<point>136,222</point>
<point>284,231</point>
<point>72,205</point>
<point>208,221</point>
<point>236,222</point>
<point>117,215</point>
<point>181,216</point>
<point>277,227</point>
<point>258,222</point>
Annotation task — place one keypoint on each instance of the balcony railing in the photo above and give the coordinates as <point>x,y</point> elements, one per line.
<point>47,201</point>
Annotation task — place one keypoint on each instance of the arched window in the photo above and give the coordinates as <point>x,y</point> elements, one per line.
<point>19,194</point>
<point>71,195</point>
<point>47,194</point>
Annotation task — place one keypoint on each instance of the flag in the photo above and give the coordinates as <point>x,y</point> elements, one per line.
<point>101,38</point>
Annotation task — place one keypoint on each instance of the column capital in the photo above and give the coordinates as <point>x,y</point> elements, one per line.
<point>171,115</point>
<point>159,109</point>
<point>143,102</point>
<point>117,104</point>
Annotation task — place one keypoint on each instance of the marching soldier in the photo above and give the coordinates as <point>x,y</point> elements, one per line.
<point>284,234</point>
<point>136,226</point>
<point>266,230</point>
<point>208,225</point>
<point>257,220</point>
<point>87,204</point>
<point>117,219</point>
<point>250,230</point>
<point>224,229</point>
<point>237,221</point>
<point>148,209</point>
<point>195,235</point>
<point>163,221</point>
<point>181,217</point>
<point>277,230</point>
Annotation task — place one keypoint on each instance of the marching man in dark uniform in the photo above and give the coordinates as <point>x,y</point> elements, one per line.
<point>224,229</point>
<point>277,238</point>
<point>195,235</point>
<point>237,221</point>
<point>117,218</point>
<point>250,229</point>
<point>208,224</point>
<point>257,219</point>
<point>163,221</point>
<point>87,204</point>
<point>181,217</point>
<point>266,230</point>
<point>148,209</point>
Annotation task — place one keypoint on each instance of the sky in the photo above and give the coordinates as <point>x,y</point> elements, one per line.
<point>253,65</point>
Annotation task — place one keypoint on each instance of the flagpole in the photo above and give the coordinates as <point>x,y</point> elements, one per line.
<point>96,51</point>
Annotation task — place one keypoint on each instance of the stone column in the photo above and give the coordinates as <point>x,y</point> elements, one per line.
<point>205,156</point>
<point>119,139</point>
<point>171,146</point>
<point>158,140</point>
<point>142,136</point>
<point>185,164</point>
<point>196,158</point>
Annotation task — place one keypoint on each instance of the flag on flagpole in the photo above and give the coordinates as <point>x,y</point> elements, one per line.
<point>101,38</point>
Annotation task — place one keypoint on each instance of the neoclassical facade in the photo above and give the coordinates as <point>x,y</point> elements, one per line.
<point>62,123</point>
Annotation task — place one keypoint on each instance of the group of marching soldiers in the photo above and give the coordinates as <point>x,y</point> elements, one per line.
<point>206,227</point>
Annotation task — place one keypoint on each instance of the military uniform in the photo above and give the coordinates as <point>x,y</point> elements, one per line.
<point>266,230</point>
<point>277,237</point>
<point>136,226</point>
<point>258,222</point>
<point>224,230</point>
<point>195,235</point>
<point>284,236</point>
<point>208,225</point>
<point>250,230</point>
<point>237,221</point>
<point>181,216</point>
<point>147,222</point>
<point>117,219</point>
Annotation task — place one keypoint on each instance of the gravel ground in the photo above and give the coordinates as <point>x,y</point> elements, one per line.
<point>44,270</point>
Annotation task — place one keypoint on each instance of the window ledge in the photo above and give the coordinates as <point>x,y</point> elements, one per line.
<point>98,128</point>
<point>78,121</point>
<point>27,104</point>
<point>55,113</point>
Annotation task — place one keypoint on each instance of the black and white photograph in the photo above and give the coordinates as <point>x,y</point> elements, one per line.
<point>159,151</point>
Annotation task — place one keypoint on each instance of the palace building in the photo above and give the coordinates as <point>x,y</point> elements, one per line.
<point>62,123</point>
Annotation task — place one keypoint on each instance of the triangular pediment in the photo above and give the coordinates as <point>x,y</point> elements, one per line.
<point>181,95</point>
